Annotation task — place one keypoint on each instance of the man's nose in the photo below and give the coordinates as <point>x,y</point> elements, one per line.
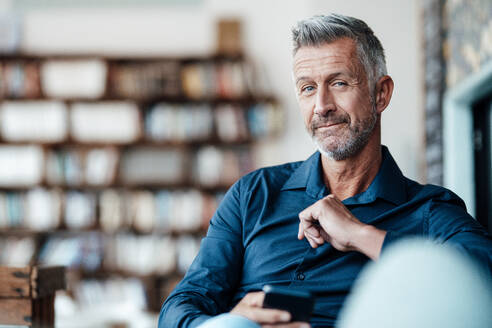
<point>324,102</point>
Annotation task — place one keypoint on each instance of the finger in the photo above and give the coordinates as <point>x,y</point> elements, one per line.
<point>312,242</point>
<point>318,238</point>
<point>312,230</point>
<point>307,215</point>
<point>267,316</point>
<point>258,299</point>
<point>310,227</point>
<point>325,236</point>
<point>314,233</point>
<point>254,299</point>
<point>300,233</point>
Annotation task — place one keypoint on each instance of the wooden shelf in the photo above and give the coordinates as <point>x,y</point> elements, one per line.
<point>120,82</point>
<point>119,186</point>
<point>25,232</point>
<point>143,142</point>
<point>103,274</point>
<point>246,99</point>
<point>123,59</point>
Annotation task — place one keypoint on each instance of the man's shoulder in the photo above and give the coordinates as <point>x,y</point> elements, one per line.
<point>431,192</point>
<point>272,176</point>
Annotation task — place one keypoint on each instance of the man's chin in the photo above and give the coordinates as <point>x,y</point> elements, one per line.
<point>327,144</point>
<point>326,149</point>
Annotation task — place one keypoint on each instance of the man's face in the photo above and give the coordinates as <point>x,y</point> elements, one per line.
<point>333,94</point>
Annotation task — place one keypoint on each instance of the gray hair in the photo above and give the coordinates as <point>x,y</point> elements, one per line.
<point>321,29</point>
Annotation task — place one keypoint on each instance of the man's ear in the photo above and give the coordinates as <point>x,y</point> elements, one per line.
<point>384,91</point>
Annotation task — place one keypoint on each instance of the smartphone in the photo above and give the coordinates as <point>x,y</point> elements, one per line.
<point>298,302</point>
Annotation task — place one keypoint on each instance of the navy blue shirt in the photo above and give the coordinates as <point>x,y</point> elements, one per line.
<point>252,239</point>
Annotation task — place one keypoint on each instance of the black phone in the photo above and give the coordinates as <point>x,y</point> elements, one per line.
<point>298,302</point>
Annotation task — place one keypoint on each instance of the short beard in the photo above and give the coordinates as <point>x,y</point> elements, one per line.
<point>357,140</point>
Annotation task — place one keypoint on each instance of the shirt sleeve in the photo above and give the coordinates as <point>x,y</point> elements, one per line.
<point>209,285</point>
<point>449,223</point>
<point>390,238</point>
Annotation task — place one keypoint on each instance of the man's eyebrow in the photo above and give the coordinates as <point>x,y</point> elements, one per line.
<point>302,78</point>
<point>329,77</point>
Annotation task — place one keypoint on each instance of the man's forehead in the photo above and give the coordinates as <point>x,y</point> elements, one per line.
<point>340,53</point>
<point>341,46</point>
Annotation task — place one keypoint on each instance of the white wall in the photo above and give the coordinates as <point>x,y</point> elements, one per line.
<point>191,30</point>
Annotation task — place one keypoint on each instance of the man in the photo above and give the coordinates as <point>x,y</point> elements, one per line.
<point>345,203</point>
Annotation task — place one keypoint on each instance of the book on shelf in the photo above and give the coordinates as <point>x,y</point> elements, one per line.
<point>84,251</point>
<point>101,165</point>
<point>80,210</point>
<point>221,167</point>
<point>74,78</point>
<point>36,121</point>
<point>230,80</point>
<point>64,167</point>
<point>112,211</point>
<point>231,124</point>
<point>194,80</point>
<point>145,80</point>
<point>45,121</point>
<point>12,208</point>
<point>16,251</point>
<point>137,253</point>
<point>105,122</point>
<point>21,165</point>
<point>164,203</point>
<point>121,293</point>
<point>166,261</point>
<point>162,211</point>
<point>183,122</point>
<point>19,79</point>
<point>224,79</point>
<point>141,210</point>
<point>187,248</point>
<point>152,165</point>
<point>186,210</point>
<point>140,254</point>
<point>42,209</point>
<point>264,119</point>
<point>207,166</point>
<point>178,210</point>
<point>122,252</point>
<point>72,168</point>
<point>75,166</point>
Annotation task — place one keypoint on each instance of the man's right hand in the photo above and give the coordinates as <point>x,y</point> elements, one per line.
<point>251,307</point>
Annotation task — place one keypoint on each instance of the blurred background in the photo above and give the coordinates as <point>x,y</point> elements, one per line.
<point>123,123</point>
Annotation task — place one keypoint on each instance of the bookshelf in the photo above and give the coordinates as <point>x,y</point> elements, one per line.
<point>113,166</point>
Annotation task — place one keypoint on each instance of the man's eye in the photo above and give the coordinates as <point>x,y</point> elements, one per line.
<point>340,84</point>
<point>307,89</point>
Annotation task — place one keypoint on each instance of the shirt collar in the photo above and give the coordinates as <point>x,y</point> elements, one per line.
<point>309,176</point>
<point>389,184</point>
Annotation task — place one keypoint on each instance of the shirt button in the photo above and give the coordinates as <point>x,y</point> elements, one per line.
<point>301,276</point>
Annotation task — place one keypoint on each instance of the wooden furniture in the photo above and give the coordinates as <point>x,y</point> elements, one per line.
<point>27,295</point>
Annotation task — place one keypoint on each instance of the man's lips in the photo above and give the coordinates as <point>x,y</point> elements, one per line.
<point>321,126</point>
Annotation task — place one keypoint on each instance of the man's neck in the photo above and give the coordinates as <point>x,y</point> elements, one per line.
<point>353,175</point>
